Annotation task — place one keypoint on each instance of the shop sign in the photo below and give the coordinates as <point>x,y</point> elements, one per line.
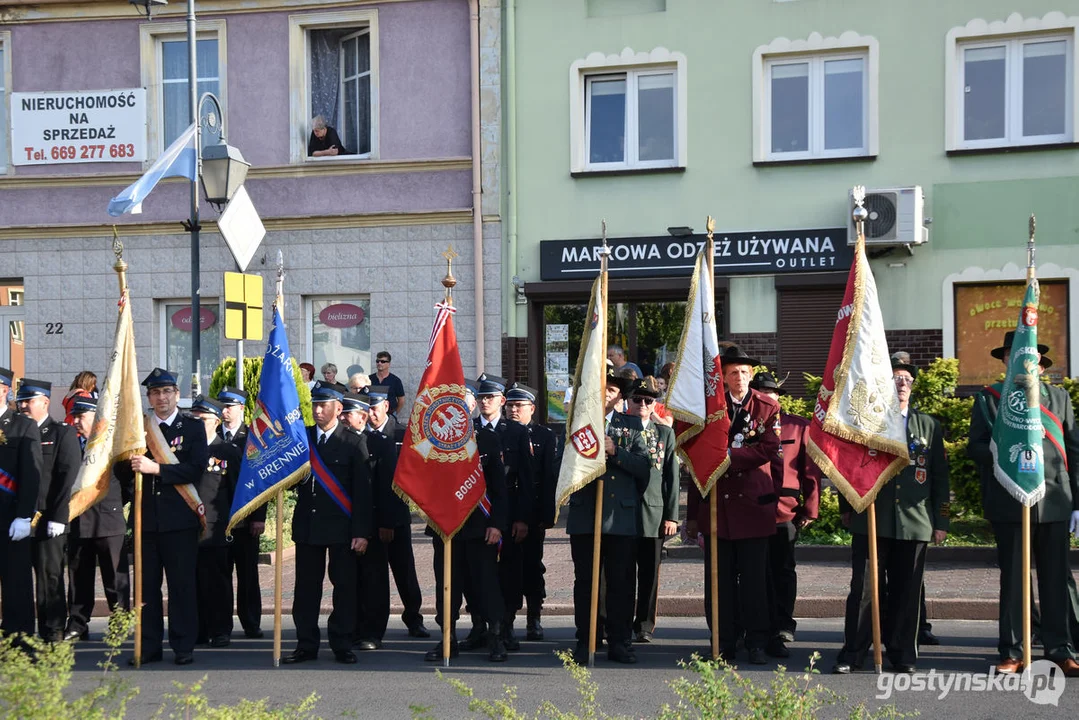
<point>58,128</point>
<point>181,319</point>
<point>738,253</point>
<point>341,315</point>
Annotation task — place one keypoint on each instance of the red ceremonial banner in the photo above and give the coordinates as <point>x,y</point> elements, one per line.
<point>439,466</point>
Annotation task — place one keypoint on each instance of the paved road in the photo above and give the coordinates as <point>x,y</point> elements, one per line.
<point>384,683</point>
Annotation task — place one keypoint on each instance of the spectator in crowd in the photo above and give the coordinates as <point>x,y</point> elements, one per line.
<point>324,141</point>
<point>308,372</point>
<point>383,376</point>
<point>617,356</point>
<point>357,382</point>
<point>329,372</point>
<point>84,385</point>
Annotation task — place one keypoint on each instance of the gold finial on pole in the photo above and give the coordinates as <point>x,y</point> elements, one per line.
<point>710,227</point>
<point>1032,225</point>
<point>119,266</point>
<point>449,281</point>
<point>859,213</point>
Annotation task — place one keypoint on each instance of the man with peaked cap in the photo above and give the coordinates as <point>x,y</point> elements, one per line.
<point>747,494</point>
<point>520,495</point>
<point>625,480</point>
<point>658,516</point>
<point>799,500</point>
<point>171,525</point>
<point>60,465</point>
<point>333,518</point>
<point>213,571</point>
<point>521,408</point>
<point>912,510</point>
<point>97,539</point>
<point>1051,518</point>
<point>20,478</point>
<point>244,548</point>
<point>394,519</point>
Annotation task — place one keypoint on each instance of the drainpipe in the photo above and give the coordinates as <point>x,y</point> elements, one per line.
<point>477,180</point>
<point>510,110</point>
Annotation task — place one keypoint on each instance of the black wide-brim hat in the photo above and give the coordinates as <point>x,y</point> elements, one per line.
<point>766,382</point>
<point>733,355</point>
<point>622,383</point>
<point>644,387</point>
<point>1001,352</point>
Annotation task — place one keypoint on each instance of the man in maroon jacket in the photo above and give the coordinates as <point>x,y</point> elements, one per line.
<point>799,499</point>
<point>747,493</point>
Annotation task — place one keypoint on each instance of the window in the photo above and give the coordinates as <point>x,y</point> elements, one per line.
<point>628,112</point>
<point>175,322</point>
<point>165,75</point>
<point>815,99</point>
<point>334,74</point>
<point>1011,83</point>
<point>339,332</point>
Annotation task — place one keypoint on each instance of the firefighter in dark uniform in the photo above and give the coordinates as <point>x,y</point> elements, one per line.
<point>521,408</point>
<point>213,572</point>
<point>97,540</point>
<point>394,516</point>
<point>60,465</point>
<point>625,481</point>
<point>912,509</point>
<point>170,526</point>
<point>323,526</point>
<point>244,547</point>
<point>1050,518</point>
<point>517,460</point>
<point>20,478</point>
<point>475,551</point>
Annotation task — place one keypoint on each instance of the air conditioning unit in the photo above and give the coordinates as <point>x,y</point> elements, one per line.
<point>896,217</point>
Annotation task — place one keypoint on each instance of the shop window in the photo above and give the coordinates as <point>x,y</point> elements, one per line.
<point>984,312</point>
<point>334,75</point>
<point>165,73</point>
<point>339,332</point>
<point>628,112</point>
<point>176,324</point>
<point>815,98</point>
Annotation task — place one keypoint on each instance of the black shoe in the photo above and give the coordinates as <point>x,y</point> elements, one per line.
<point>435,653</point>
<point>220,641</point>
<point>533,631</point>
<point>757,656</point>
<point>777,649</point>
<point>418,631</point>
<point>904,668</point>
<point>299,656</point>
<point>786,636</point>
<point>842,668</point>
<point>926,637</point>
<point>474,640</point>
<point>146,660</point>
<point>622,654</point>
<point>345,657</point>
<point>509,637</point>
<point>580,653</point>
<point>728,656</point>
<point>643,637</point>
<point>254,633</point>
<point>73,635</point>
<point>368,645</point>
<point>184,658</point>
<point>496,644</point>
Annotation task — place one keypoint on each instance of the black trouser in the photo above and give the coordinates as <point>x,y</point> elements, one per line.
<point>1049,548</point>
<point>172,557</point>
<point>783,578</point>
<point>84,557</point>
<point>901,566</point>
<point>311,561</point>
<point>535,589</point>
<point>372,592</point>
<point>50,556</point>
<point>511,576</point>
<point>616,559</point>
<point>403,565</point>
<point>648,554</point>
<point>475,564</point>
<point>924,625</point>
<point>743,583</point>
<point>213,586</point>
<point>16,581</point>
<point>244,557</point>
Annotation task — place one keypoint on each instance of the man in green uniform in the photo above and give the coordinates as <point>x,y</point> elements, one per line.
<point>912,509</point>
<point>1049,519</point>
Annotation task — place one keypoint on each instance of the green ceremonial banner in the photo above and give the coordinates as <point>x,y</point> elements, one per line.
<point>1017,432</point>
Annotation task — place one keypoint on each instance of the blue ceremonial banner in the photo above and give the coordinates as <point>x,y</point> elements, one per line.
<point>178,160</point>
<point>277,455</point>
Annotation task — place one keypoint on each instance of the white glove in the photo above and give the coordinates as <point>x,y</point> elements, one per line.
<point>1074,527</point>
<point>20,529</point>
<point>55,529</point>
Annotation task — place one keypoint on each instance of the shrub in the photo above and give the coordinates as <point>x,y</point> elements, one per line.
<point>828,528</point>
<point>225,374</point>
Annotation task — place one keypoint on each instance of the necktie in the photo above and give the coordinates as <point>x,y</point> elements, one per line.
<point>228,436</point>
<point>164,426</point>
<point>82,442</point>
<point>322,439</point>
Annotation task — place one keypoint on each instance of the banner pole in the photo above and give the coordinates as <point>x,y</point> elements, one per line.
<point>279,559</point>
<point>874,587</point>
<point>713,498</point>
<point>447,611</point>
<point>1026,588</point>
<point>597,523</point>
<point>138,569</point>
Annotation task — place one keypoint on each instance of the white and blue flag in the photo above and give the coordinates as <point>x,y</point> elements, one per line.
<point>177,161</point>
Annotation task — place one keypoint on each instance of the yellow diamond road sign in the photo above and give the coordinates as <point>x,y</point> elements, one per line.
<point>243,306</point>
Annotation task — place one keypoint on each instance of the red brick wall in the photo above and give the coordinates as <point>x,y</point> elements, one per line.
<point>763,346</point>
<point>924,346</point>
<point>515,358</point>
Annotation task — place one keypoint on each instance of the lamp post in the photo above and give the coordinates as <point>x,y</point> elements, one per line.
<point>221,167</point>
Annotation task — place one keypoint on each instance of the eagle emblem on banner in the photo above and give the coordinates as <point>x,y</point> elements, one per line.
<point>444,433</point>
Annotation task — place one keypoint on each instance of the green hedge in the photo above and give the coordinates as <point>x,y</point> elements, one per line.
<point>225,374</point>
